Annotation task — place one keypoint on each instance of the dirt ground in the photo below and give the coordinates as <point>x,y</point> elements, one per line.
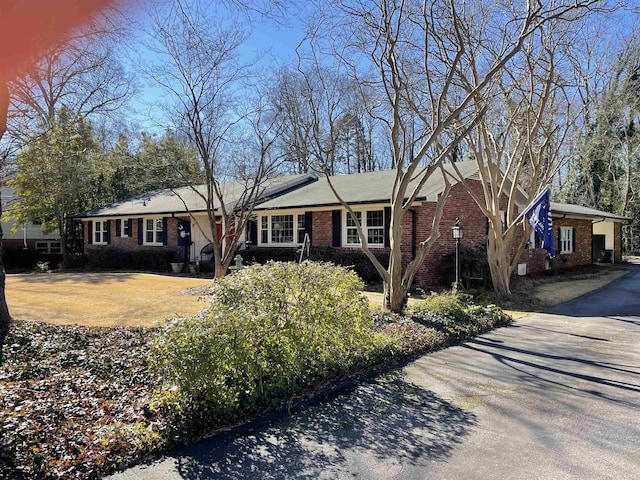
<point>101,299</point>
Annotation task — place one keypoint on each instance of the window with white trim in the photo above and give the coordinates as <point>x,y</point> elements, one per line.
<point>282,229</point>
<point>100,232</point>
<point>125,228</point>
<point>566,239</point>
<point>48,247</point>
<point>153,231</point>
<point>372,224</point>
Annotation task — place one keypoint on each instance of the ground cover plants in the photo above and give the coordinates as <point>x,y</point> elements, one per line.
<point>77,402</point>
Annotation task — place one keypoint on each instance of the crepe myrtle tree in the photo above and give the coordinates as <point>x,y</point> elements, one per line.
<point>203,76</point>
<point>434,64</point>
<point>520,144</point>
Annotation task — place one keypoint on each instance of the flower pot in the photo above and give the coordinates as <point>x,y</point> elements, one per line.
<point>176,267</point>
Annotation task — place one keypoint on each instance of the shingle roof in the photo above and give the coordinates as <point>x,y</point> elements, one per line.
<point>568,209</point>
<point>185,199</point>
<point>360,188</point>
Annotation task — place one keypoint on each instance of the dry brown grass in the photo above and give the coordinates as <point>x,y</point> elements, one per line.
<point>101,299</point>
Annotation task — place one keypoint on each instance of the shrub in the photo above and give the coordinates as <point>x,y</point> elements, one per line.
<point>456,316</point>
<point>115,258</point>
<point>473,265</point>
<point>271,332</point>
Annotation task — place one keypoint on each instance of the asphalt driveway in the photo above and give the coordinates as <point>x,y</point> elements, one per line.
<point>556,396</point>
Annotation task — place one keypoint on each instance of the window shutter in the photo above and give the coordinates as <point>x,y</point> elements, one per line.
<point>253,232</point>
<point>487,225</point>
<point>336,221</point>
<point>90,232</point>
<point>165,237</point>
<point>108,232</point>
<point>130,226</point>
<point>308,224</point>
<point>140,232</point>
<point>536,240</point>
<point>559,240</point>
<point>573,240</point>
<point>118,227</point>
<point>387,226</point>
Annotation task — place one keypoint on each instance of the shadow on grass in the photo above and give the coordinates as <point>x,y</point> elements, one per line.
<point>383,423</point>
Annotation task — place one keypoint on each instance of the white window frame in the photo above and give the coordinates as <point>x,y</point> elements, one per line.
<point>566,240</point>
<point>100,231</point>
<point>46,246</point>
<point>156,221</point>
<point>365,227</point>
<point>124,224</point>
<point>268,229</point>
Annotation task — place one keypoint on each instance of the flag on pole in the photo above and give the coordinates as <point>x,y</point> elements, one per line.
<point>539,216</point>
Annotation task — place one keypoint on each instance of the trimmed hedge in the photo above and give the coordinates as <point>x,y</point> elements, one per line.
<point>157,260</point>
<point>357,261</point>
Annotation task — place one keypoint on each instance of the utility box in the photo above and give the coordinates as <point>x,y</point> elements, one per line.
<point>522,269</point>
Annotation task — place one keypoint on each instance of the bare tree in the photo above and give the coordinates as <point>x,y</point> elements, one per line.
<point>82,72</point>
<point>201,73</point>
<point>434,64</point>
<point>519,145</point>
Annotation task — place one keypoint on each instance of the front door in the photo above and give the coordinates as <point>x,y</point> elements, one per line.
<point>598,253</point>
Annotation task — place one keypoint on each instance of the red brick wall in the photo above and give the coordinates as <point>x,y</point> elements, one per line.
<point>617,241</point>
<point>131,242</point>
<point>322,229</point>
<point>582,249</point>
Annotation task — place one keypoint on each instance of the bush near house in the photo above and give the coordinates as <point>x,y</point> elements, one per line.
<point>81,402</point>
<point>157,260</point>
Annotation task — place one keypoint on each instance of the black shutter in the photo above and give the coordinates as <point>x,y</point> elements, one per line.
<point>559,247</point>
<point>336,220</point>
<point>165,231</point>
<point>108,232</point>
<point>387,226</point>
<point>90,231</point>
<point>118,227</point>
<point>573,242</point>
<point>308,224</point>
<point>487,224</point>
<point>140,232</point>
<point>130,226</point>
<point>253,231</point>
<point>536,240</point>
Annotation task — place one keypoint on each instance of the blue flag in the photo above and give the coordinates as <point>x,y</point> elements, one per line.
<point>539,216</point>
<point>184,233</point>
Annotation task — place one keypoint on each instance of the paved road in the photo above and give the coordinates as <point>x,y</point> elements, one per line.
<point>556,396</point>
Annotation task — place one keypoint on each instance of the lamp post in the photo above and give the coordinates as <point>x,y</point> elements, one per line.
<point>458,232</point>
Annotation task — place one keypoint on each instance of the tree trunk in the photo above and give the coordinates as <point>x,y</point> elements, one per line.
<point>395,296</point>
<point>5,318</point>
<point>499,264</point>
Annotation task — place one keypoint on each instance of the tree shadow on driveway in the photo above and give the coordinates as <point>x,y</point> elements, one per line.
<point>381,426</point>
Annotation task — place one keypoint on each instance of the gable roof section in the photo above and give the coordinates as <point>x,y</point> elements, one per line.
<point>362,188</point>
<point>185,199</point>
<point>566,209</point>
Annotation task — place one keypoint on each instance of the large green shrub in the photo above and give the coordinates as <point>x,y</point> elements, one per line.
<point>271,331</point>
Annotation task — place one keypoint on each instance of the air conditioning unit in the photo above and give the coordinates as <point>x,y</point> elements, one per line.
<point>522,269</point>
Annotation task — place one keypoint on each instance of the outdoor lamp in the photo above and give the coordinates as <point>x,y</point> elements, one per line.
<point>458,232</point>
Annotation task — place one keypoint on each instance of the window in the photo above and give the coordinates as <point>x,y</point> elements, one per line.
<point>100,232</point>
<point>125,228</point>
<point>372,224</point>
<point>301,232</point>
<point>48,247</point>
<point>264,229</point>
<point>566,239</point>
<point>282,229</point>
<point>154,231</point>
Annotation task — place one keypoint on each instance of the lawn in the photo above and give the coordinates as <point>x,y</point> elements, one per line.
<point>101,299</point>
